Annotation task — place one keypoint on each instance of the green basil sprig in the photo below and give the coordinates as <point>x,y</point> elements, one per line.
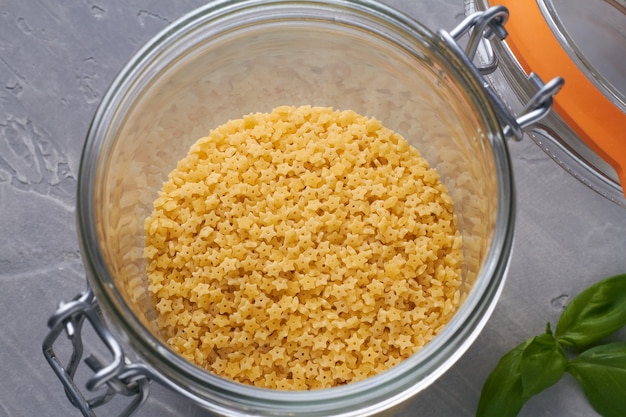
<point>541,361</point>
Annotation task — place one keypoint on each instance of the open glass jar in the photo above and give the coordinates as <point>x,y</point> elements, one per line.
<point>231,58</point>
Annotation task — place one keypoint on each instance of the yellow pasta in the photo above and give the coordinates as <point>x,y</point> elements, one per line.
<point>300,249</point>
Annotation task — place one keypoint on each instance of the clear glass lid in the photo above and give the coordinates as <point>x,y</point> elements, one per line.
<point>584,41</point>
<point>595,31</point>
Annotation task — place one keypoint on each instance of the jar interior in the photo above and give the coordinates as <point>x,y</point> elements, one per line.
<point>204,78</point>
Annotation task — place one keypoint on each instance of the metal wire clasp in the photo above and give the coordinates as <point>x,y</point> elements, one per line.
<point>118,377</point>
<point>481,28</point>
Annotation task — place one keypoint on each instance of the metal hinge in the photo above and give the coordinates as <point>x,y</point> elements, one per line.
<point>482,28</point>
<point>120,376</point>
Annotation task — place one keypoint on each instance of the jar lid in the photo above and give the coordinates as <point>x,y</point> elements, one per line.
<point>583,42</point>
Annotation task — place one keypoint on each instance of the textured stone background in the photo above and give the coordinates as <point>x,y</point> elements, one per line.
<point>56,61</point>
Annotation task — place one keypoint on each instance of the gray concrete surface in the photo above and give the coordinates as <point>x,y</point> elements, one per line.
<point>56,61</point>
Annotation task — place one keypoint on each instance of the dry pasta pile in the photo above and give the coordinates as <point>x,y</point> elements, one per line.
<point>300,249</point>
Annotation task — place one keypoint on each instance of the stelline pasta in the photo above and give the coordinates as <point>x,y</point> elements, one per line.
<point>303,248</point>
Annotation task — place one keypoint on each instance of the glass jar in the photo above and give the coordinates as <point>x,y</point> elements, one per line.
<point>583,41</point>
<point>230,58</point>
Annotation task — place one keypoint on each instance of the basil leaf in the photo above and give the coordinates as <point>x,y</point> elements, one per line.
<point>594,314</point>
<point>502,393</point>
<point>528,369</point>
<point>542,364</point>
<point>601,372</point>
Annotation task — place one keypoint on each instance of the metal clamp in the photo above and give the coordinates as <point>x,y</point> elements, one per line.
<point>482,28</point>
<point>118,377</point>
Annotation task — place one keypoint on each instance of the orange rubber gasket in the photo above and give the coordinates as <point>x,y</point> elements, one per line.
<point>597,121</point>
